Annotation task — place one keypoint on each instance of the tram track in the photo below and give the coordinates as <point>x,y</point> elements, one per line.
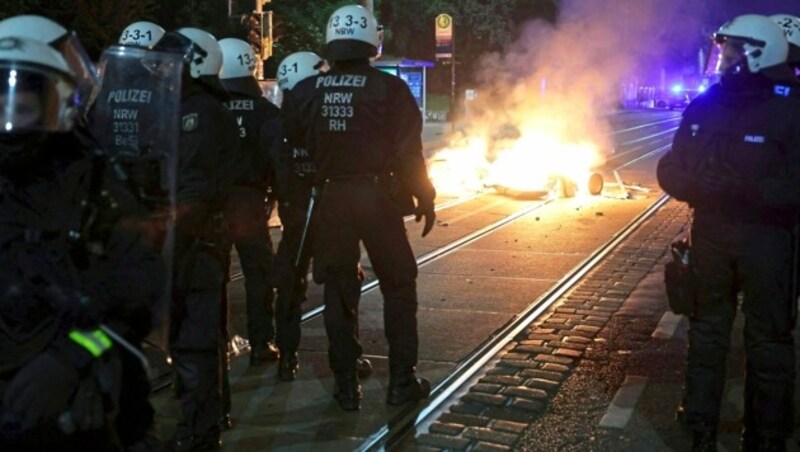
<point>472,365</point>
<point>464,361</point>
<point>238,275</point>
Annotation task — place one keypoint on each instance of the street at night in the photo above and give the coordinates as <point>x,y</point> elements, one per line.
<point>473,225</point>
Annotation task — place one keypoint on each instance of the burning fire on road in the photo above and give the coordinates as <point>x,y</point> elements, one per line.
<point>535,164</point>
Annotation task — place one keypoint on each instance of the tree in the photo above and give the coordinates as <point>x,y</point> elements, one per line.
<point>98,24</point>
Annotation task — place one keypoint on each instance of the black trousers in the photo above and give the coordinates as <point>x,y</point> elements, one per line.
<point>757,260</point>
<point>291,293</point>
<point>195,342</point>
<point>359,211</point>
<point>246,218</point>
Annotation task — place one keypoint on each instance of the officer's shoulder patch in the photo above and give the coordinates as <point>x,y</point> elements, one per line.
<point>189,122</point>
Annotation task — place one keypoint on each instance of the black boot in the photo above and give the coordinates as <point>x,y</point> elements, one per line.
<point>704,441</point>
<point>407,388</point>
<point>348,391</point>
<point>288,366</point>
<point>261,355</point>
<point>364,368</point>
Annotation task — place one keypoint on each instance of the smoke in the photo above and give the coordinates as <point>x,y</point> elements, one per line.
<point>564,78</point>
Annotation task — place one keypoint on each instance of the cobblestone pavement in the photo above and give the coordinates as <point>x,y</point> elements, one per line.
<point>578,352</point>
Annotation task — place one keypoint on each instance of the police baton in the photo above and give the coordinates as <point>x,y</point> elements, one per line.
<point>306,226</point>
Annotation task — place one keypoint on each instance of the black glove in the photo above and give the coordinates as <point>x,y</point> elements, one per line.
<point>425,209</point>
<point>87,408</point>
<point>41,390</point>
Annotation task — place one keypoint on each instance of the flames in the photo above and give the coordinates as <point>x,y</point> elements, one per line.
<point>531,161</point>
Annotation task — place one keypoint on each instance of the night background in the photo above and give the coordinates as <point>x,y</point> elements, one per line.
<point>661,32</point>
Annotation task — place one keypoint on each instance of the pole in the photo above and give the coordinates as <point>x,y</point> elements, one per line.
<point>369,4</point>
<point>453,85</point>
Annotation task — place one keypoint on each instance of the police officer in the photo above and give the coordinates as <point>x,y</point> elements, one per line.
<point>207,165</point>
<point>133,267</point>
<point>791,29</point>
<point>736,161</point>
<point>295,172</point>
<point>362,128</point>
<point>66,234</point>
<point>245,210</point>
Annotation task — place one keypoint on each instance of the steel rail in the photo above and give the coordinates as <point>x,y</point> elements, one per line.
<point>412,416</point>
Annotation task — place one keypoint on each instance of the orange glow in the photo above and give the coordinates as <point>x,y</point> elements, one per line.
<point>531,163</point>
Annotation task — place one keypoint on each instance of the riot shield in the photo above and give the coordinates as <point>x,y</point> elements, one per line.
<point>136,122</point>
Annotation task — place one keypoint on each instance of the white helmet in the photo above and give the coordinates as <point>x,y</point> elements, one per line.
<point>141,34</point>
<point>238,59</point>
<point>791,29</point>
<point>211,62</point>
<point>36,87</point>
<point>298,67</point>
<point>763,41</point>
<point>34,27</point>
<point>790,25</point>
<point>50,32</point>
<point>352,32</point>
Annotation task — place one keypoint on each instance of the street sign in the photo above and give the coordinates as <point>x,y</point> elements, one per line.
<point>444,36</point>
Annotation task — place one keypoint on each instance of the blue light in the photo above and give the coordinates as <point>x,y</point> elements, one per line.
<point>701,89</point>
<point>677,88</point>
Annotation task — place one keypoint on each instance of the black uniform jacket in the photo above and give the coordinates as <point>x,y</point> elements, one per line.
<point>745,136</point>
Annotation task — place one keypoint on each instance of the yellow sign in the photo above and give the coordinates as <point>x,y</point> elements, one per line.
<point>443,21</point>
<point>444,36</point>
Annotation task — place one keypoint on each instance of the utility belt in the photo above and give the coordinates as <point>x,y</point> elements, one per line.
<point>397,191</point>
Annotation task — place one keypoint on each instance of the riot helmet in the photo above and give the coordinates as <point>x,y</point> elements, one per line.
<point>750,44</point>
<point>36,88</point>
<point>239,67</point>
<point>298,67</point>
<point>46,30</point>
<point>208,62</point>
<point>141,34</point>
<point>791,29</point>
<point>351,33</point>
<point>238,59</point>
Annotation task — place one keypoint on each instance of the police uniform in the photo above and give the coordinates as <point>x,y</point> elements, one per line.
<point>246,215</point>
<point>362,128</point>
<point>207,168</point>
<point>71,266</point>
<point>294,173</point>
<point>736,161</point>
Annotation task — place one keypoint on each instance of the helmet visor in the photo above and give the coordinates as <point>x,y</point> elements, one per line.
<point>83,67</point>
<point>33,98</point>
<point>732,55</point>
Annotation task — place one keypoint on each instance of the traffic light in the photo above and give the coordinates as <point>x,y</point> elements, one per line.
<point>254,25</point>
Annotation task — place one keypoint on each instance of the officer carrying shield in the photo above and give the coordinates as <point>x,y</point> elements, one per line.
<point>363,128</point>
<point>67,231</point>
<point>125,265</point>
<point>207,165</point>
<point>245,212</point>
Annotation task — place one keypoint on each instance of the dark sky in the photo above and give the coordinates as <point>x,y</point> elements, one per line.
<point>731,8</point>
